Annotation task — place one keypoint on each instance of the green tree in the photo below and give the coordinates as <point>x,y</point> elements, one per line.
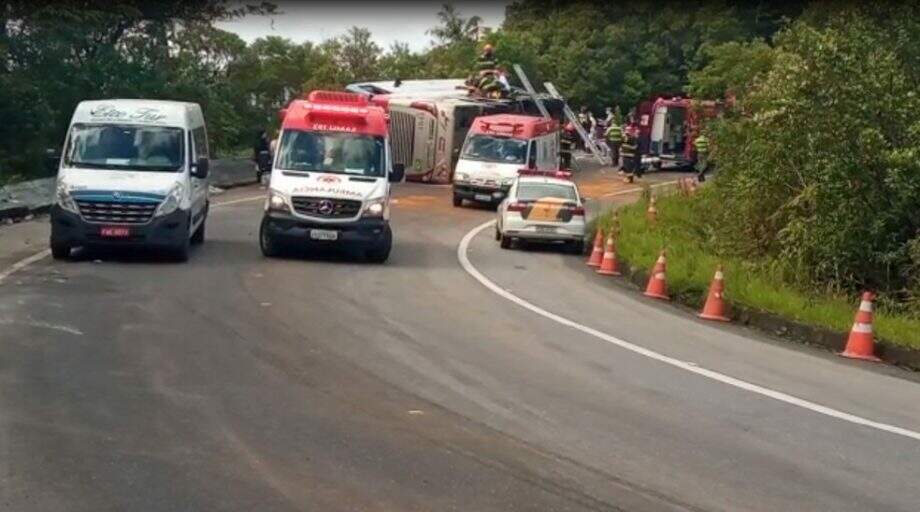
<point>454,28</point>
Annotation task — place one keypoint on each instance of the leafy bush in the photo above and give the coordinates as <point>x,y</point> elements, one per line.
<point>822,170</point>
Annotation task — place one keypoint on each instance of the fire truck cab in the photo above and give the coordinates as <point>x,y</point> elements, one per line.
<point>331,177</point>
<point>497,147</point>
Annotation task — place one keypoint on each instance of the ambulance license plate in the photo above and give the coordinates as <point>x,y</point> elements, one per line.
<point>114,232</point>
<point>324,234</point>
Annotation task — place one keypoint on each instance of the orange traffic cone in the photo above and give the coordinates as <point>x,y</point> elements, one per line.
<point>609,263</point>
<point>657,286</point>
<point>861,344</point>
<point>652,212</point>
<point>597,252</point>
<point>714,309</point>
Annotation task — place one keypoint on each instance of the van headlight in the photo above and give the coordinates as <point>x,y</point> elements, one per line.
<point>172,201</point>
<point>375,208</point>
<point>65,200</point>
<point>277,202</point>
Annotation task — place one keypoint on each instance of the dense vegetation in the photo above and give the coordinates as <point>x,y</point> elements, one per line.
<point>820,160</point>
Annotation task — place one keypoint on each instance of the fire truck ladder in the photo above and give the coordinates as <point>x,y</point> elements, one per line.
<point>589,143</point>
<point>530,90</point>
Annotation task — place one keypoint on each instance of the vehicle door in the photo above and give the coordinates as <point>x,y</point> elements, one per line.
<point>199,186</point>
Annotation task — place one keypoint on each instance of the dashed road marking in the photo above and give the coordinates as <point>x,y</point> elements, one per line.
<point>462,256</point>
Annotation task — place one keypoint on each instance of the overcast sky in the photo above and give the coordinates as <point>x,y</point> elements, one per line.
<point>387,21</point>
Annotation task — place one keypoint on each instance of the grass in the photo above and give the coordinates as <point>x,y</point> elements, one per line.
<point>748,283</point>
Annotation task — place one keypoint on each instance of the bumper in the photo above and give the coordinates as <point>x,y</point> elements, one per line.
<point>285,227</point>
<point>524,230</point>
<point>478,193</point>
<point>167,231</point>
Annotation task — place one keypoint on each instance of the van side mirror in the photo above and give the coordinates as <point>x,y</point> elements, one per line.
<point>399,171</point>
<point>200,168</point>
<point>52,160</point>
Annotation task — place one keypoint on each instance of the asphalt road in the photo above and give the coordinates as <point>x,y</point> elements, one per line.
<point>235,382</point>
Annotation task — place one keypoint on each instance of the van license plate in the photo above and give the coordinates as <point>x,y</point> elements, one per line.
<point>482,197</point>
<point>114,232</point>
<point>324,234</point>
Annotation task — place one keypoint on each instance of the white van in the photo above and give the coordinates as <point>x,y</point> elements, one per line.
<point>132,173</point>
<point>497,148</point>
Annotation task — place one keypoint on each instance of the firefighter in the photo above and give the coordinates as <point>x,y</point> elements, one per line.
<point>487,59</point>
<point>702,156</point>
<point>614,136</point>
<point>567,146</point>
<point>632,158</point>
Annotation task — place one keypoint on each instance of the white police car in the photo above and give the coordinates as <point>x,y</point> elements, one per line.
<point>542,207</point>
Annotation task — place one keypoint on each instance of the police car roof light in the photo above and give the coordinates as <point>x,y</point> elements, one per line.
<point>563,175</point>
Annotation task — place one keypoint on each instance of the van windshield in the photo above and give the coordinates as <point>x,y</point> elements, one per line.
<point>495,149</point>
<point>127,147</point>
<point>332,152</point>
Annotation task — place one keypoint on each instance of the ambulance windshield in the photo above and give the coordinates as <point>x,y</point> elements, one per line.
<point>332,152</point>
<point>495,149</point>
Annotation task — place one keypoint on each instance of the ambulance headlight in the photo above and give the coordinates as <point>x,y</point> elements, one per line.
<point>375,208</point>
<point>172,201</point>
<point>277,202</point>
<point>64,199</point>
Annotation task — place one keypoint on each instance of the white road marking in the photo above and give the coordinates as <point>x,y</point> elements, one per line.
<point>25,262</point>
<point>45,325</point>
<point>463,248</point>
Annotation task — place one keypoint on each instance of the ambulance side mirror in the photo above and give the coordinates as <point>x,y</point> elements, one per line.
<point>398,172</point>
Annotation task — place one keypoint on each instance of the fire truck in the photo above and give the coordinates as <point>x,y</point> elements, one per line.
<point>497,148</point>
<point>331,177</point>
<point>667,127</point>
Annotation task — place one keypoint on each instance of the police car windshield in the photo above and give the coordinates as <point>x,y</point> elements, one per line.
<point>535,191</point>
<point>332,152</point>
<point>495,149</point>
<point>125,147</point>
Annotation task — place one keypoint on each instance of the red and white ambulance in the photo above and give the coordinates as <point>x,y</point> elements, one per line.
<point>331,177</point>
<point>497,147</point>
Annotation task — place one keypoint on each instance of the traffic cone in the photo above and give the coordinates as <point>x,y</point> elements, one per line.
<point>657,286</point>
<point>714,309</point>
<point>597,252</point>
<point>609,262</point>
<point>652,213</point>
<point>861,343</point>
